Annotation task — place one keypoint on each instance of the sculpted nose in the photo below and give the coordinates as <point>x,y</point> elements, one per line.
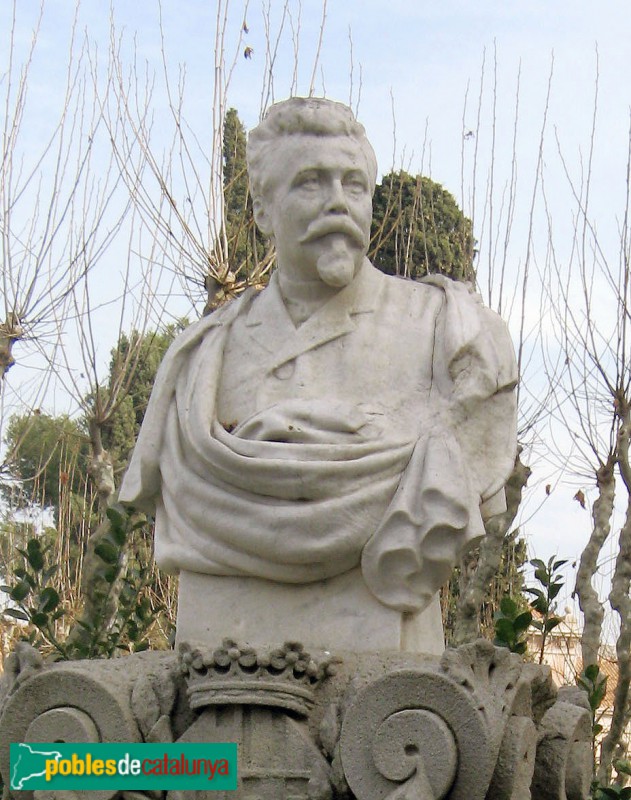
<point>337,202</point>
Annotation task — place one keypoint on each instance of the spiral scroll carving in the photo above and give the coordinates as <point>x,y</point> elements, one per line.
<point>415,733</point>
<point>71,702</point>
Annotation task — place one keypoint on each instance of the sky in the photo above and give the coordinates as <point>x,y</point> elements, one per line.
<point>435,85</point>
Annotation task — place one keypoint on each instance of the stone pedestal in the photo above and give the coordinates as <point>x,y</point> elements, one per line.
<point>475,724</point>
<point>338,614</point>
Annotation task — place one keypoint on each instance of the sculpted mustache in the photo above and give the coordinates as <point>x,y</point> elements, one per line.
<point>344,226</point>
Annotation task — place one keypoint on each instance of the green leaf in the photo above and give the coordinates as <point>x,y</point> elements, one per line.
<point>110,574</point>
<point>508,606</point>
<point>119,535</point>
<point>115,517</point>
<point>520,648</point>
<point>36,560</point>
<point>537,624</point>
<point>554,590</point>
<point>598,695</point>
<point>551,623</point>
<point>20,591</point>
<point>540,605</point>
<point>39,618</point>
<point>504,630</point>
<point>542,576</point>
<point>558,564</point>
<point>623,766</point>
<point>106,552</point>
<point>592,672</point>
<point>16,614</point>
<point>34,554</point>
<point>522,622</point>
<point>538,563</point>
<point>49,599</point>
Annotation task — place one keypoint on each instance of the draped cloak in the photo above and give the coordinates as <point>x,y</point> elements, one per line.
<point>313,485</point>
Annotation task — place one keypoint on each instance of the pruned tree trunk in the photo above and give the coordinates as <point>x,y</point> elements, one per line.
<point>101,468</point>
<point>467,626</point>
<point>588,599</point>
<point>10,332</point>
<point>100,597</point>
<point>620,601</point>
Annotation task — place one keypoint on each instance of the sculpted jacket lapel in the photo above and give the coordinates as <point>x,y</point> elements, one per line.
<point>268,322</point>
<point>272,328</point>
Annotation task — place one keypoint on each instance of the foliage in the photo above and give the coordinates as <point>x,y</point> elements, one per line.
<point>247,249</point>
<point>38,602</point>
<point>36,599</point>
<point>418,229</point>
<point>50,456</point>
<point>551,583</point>
<point>237,201</point>
<point>511,625</point>
<point>614,791</point>
<point>56,475</point>
<point>507,582</point>
<point>623,766</point>
<point>137,376</point>
<point>13,536</point>
<point>595,684</point>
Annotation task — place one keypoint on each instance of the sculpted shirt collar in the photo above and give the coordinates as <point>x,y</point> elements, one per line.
<point>270,325</point>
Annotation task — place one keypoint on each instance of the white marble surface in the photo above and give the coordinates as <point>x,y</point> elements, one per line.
<point>339,423</point>
<point>338,614</point>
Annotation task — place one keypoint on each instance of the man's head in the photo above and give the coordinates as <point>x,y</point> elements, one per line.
<point>307,116</point>
<point>312,174</point>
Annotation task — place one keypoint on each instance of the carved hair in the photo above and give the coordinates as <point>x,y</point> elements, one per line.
<point>311,116</point>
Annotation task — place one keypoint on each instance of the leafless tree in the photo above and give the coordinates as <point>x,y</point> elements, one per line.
<point>591,293</point>
<point>510,296</point>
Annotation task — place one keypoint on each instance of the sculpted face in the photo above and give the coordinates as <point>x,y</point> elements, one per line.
<point>318,207</point>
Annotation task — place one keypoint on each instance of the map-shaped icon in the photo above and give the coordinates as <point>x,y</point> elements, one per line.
<point>30,763</point>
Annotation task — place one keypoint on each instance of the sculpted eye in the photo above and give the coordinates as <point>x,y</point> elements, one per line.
<point>355,184</point>
<point>308,180</point>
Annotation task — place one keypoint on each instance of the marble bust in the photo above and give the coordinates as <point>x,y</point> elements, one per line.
<point>318,454</point>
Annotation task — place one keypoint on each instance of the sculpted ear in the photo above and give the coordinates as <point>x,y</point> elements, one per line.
<point>262,216</point>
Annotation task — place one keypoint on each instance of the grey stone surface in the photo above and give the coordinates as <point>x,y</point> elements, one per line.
<point>496,682</point>
<point>284,677</point>
<point>514,769</point>
<point>278,760</point>
<point>397,726</point>
<point>340,422</point>
<point>563,768</point>
<point>384,746</point>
